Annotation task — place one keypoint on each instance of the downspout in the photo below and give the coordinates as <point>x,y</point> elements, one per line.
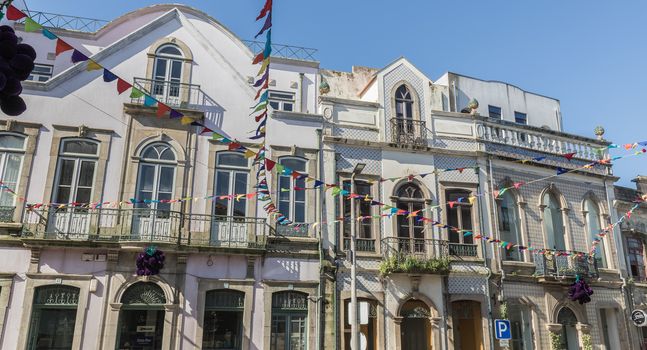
<point>486,265</point>
<point>455,97</point>
<point>623,269</point>
<point>496,225</point>
<point>301,75</point>
<point>445,278</point>
<point>320,299</point>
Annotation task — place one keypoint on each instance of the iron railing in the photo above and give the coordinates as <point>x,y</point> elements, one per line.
<point>422,248</point>
<point>565,265</point>
<point>408,131</point>
<point>284,51</point>
<point>143,225</point>
<point>53,20</point>
<point>361,244</point>
<point>173,94</point>
<point>226,231</point>
<point>6,213</point>
<point>463,250</point>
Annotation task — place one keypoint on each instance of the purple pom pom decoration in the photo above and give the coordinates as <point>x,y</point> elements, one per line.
<point>150,262</point>
<point>580,291</point>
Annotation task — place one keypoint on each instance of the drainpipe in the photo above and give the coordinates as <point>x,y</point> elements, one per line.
<point>455,97</point>
<point>300,96</point>
<point>320,299</point>
<point>496,224</point>
<point>487,267</point>
<point>628,295</point>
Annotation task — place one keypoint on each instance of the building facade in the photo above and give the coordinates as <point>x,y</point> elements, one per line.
<point>437,235</point>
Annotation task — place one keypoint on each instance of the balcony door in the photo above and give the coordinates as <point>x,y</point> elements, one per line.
<point>411,234</point>
<point>459,218</point>
<point>69,216</point>
<point>232,175</point>
<point>12,147</point>
<point>167,74</point>
<point>152,217</point>
<point>404,125</point>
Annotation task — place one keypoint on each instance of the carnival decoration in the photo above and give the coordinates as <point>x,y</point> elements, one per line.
<point>580,291</point>
<point>150,261</point>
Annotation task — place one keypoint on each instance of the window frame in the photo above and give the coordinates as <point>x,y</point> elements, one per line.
<point>559,212</point>
<point>232,171</point>
<point>500,112</point>
<point>5,152</point>
<point>409,202</point>
<point>279,103</point>
<point>365,225</point>
<point>158,165</point>
<point>170,60</point>
<point>590,203</point>
<point>403,102</point>
<point>639,256</point>
<point>34,76</point>
<point>517,235</point>
<point>77,159</point>
<point>239,309</point>
<point>458,206</point>
<point>292,192</point>
<point>288,314</point>
<point>521,116</point>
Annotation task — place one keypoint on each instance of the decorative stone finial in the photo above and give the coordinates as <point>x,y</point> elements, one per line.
<point>324,88</point>
<point>599,132</point>
<point>474,104</point>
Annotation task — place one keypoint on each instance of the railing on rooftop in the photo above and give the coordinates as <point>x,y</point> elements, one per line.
<point>536,140</point>
<point>284,51</point>
<point>53,20</point>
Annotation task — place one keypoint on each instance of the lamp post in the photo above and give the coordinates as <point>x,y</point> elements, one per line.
<point>354,328</point>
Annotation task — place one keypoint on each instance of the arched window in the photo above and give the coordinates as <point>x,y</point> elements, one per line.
<point>156,178</point>
<point>292,203</point>
<point>12,151</point>
<point>568,320</point>
<point>509,224</point>
<point>223,319</point>
<point>289,321</point>
<point>143,309</point>
<point>403,103</point>
<point>459,218</point>
<point>53,317</point>
<point>592,216</point>
<point>167,71</point>
<point>411,233</point>
<point>553,222</point>
<point>232,173</point>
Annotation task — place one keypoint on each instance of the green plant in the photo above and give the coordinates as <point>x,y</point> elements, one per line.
<point>503,310</point>
<point>586,342</point>
<point>412,264</point>
<point>556,341</point>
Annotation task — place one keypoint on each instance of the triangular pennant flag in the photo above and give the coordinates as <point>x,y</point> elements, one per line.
<point>122,86</point>
<point>249,153</point>
<point>269,164</point>
<point>186,120</point>
<point>234,146</point>
<point>205,130</point>
<point>268,44</point>
<point>569,156</point>
<point>92,65</point>
<point>267,25</point>
<point>162,109</point>
<point>149,101</point>
<point>561,171</point>
<point>62,46</point>
<point>267,8</point>
<point>13,14</point>
<point>258,58</point>
<point>135,92</point>
<point>108,76</point>
<point>471,199</point>
<point>260,81</point>
<point>31,25</point>
<point>78,56</point>
<point>261,116</point>
<point>175,114</point>
<point>266,63</point>
<point>49,35</point>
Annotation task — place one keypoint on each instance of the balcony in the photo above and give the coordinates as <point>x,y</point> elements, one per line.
<point>6,213</point>
<point>542,140</point>
<point>143,225</point>
<point>419,248</point>
<point>361,244</point>
<point>296,230</point>
<point>173,94</point>
<point>463,250</point>
<point>408,132</point>
<point>564,266</point>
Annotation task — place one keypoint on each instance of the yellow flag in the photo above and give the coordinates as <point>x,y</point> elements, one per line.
<point>471,199</point>
<point>93,66</point>
<point>186,120</point>
<point>249,153</point>
<point>266,62</point>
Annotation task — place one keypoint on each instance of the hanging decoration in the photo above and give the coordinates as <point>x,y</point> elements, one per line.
<point>150,261</point>
<point>580,291</point>
<point>122,85</point>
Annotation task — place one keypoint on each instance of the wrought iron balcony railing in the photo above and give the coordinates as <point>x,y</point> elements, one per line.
<point>361,244</point>
<point>565,266</point>
<point>296,230</point>
<point>408,132</point>
<point>422,248</point>
<point>53,20</point>
<point>171,93</point>
<point>463,250</point>
<point>284,51</point>
<point>6,213</point>
<point>143,225</point>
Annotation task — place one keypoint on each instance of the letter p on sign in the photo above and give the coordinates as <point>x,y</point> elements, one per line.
<point>502,329</point>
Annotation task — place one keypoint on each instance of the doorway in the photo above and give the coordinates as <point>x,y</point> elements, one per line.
<point>468,326</point>
<point>415,331</point>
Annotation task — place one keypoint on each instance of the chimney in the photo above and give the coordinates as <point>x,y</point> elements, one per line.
<point>641,183</point>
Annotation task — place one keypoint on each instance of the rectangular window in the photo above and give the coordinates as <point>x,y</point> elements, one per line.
<point>282,101</point>
<point>636,258</point>
<point>520,323</point>
<point>520,118</point>
<point>362,208</point>
<point>292,196</point>
<point>494,112</point>
<point>41,72</point>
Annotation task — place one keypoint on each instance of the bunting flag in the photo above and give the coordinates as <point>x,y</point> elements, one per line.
<point>122,86</point>
<point>49,35</point>
<point>92,65</point>
<point>162,109</point>
<point>108,76</point>
<point>13,14</point>
<point>62,46</point>
<point>31,25</point>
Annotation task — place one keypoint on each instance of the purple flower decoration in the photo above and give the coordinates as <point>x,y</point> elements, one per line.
<point>150,262</point>
<point>580,291</point>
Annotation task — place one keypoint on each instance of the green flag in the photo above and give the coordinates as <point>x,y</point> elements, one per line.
<point>31,25</point>
<point>136,93</point>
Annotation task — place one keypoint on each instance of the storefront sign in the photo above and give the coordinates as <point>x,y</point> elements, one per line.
<point>639,317</point>
<point>145,329</point>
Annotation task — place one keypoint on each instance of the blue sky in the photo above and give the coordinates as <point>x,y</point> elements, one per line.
<point>588,54</point>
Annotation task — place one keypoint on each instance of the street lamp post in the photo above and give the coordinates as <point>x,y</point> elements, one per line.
<point>354,328</point>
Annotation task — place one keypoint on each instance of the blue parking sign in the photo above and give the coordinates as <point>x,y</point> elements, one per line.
<point>502,329</point>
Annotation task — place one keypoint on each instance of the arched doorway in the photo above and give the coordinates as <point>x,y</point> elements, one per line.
<point>568,320</point>
<point>53,317</point>
<point>415,331</point>
<point>468,326</point>
<point>141,319</point>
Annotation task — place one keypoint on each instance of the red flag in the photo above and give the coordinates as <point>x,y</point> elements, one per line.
<point>265,10</point>
<point>162,109</point>
<point>234,146</point>
<point>569,156</point>
<point>205,130</point>
<point>14,14</point>
<point>269,164</point>
<point>122,86</point>
<point>260,91</point>
<point>258,58</point>
<point>295,174</point>
<point>261,116</point>
<point>451,204</point>
<point>62,46</point>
